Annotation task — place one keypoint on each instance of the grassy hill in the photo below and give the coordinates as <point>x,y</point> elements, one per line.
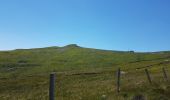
<point>81,74</point>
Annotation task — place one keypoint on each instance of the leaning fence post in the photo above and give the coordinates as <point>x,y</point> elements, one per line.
<point>52,86</point>
<point>118,80</point>
<point>148,75</point>
<point>164,73</point>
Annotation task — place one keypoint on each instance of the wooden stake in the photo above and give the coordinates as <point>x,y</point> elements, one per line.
<point>164,74</point>
<point>118,80</point>
<point>52,87</point>
<point>148,76</point>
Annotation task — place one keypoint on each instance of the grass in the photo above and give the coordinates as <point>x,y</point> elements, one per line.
<point>81,74</point>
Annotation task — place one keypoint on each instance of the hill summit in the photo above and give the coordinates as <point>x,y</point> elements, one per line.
<point>71,46</point>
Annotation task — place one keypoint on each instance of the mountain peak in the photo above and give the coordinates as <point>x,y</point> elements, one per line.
<point>72,45</point>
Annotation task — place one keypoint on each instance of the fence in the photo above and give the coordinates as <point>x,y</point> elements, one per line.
<point>118,80</point>
<point>148,76</point>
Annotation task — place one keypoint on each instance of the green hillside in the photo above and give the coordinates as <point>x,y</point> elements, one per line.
<point>82,74</point>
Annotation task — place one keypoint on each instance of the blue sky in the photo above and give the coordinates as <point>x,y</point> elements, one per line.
<point>140,25</point>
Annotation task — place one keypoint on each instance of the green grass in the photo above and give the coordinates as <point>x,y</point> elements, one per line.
<point>81,74</point>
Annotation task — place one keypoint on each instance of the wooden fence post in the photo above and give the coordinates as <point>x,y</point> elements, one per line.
<point>148,75</point>
<point>164,74</point>
<point>52,87</point>
<point>118,79</point>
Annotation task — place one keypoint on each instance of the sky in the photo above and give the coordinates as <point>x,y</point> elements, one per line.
<point>139,25</point>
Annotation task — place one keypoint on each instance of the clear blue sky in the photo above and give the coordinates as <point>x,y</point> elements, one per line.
<point>140,25</point>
